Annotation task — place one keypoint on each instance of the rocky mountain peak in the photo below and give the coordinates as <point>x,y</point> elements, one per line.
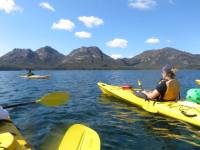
<point>92,51</point>
<point>47,51</point>
<point>93,58</point>
<point>89,56</point>
<point>159,57</point>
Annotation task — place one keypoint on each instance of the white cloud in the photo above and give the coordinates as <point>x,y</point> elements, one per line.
<point>47,6</point>
<point>63,24</point>
<point>116,56</point>
<point>91,21</point>
<point>9,6</point>
<point>142,4</point>
<point>117,43</point>
<point>83,35</point>
<point>152,41</point>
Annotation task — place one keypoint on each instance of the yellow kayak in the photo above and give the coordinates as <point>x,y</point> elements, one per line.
<point>186,111</point>
<point>35,76</point>
<point>11,138</point>
<point>198,82</point>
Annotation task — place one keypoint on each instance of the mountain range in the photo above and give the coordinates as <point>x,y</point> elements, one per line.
<point>94,58</point>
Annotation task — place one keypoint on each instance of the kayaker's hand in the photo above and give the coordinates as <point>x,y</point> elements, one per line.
<point>3,113</point>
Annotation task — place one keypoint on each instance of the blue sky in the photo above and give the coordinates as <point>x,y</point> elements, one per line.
<point>122,28</point>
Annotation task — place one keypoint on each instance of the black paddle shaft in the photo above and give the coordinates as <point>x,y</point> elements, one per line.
<point>21,104</point>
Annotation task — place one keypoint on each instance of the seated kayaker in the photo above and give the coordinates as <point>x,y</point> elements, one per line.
<point>30,73</point>
<point>168,88</point>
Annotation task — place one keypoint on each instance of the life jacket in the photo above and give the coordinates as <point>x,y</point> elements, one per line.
<point>173,90</point>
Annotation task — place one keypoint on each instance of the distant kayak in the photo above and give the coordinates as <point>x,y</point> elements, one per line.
<point>198,82</point>
<point>35,76</point>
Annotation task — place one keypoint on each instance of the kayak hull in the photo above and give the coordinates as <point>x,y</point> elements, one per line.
<point>174,109</point>
<point>17,141</point>
<point>35,76</point>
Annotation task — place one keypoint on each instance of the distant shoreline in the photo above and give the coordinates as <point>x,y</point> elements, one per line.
<point>103,69</point>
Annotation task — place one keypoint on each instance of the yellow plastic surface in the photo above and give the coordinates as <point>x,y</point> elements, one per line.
<point>80,137</point>
<point>7,141</point>
<point>14,139</point>
<point>171,109</point>
<point>54,99</point>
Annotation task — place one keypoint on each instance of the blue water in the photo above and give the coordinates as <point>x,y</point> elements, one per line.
<point>121,126</point>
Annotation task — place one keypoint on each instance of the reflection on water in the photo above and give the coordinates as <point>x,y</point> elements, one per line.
<point>157,125</point>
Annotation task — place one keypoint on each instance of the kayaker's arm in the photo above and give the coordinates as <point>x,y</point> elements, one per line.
<point>157,92</point>
<point>152,95</point>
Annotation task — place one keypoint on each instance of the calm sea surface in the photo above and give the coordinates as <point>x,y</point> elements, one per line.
<point>121,126</point>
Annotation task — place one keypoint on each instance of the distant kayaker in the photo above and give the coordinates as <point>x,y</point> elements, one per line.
<point>168,88</point>
<point>30,73</point>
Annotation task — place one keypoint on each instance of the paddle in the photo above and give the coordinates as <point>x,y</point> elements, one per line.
<point>49,100</point>
<point>148,106</point>
<point>80,137</point>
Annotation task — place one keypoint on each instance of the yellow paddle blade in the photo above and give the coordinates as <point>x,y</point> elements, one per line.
<point>54,99</point>
<point>80,137</point>
<point>198,82</point>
